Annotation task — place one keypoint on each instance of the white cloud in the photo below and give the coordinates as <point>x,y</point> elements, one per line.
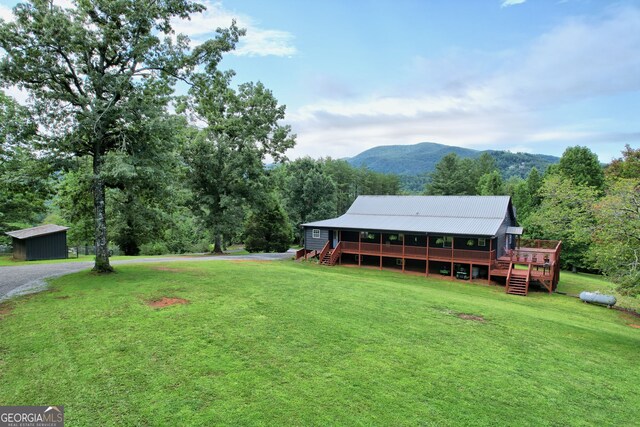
<point>507,3</point>
<point>21,96</point>
<point>257,42</point>
<point>260,42</point>
<point>6,13</point>
<point>502,106</point>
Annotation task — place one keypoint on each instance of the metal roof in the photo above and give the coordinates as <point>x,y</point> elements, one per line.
<point>468,215</point>
<point>41,230</point>
<point>515,230</point>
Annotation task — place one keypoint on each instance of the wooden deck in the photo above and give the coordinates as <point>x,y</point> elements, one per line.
<point>462,256</point>
<point>536,263</point>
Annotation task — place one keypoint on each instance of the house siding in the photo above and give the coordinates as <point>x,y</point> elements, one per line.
<point>19,249</point>
<point>502,233</point>
<point>310,243</point>
<point>50,246</point>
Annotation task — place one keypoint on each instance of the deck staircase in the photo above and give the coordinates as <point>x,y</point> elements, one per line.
<point>329,256</point>
<point>326,260</point>
<point>518,281</point>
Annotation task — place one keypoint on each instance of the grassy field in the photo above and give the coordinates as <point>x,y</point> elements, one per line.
<point>284,343</point>
<point>8,260</point>
<point>574,283</point>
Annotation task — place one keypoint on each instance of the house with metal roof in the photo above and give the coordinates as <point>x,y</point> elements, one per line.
<point>43,242</point>
<point>460,237</point>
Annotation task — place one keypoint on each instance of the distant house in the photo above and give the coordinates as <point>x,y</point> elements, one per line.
<point>463,237</point>
<point>43,242</point>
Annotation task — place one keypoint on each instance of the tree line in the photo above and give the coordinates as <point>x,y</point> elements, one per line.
<point>593,209</point>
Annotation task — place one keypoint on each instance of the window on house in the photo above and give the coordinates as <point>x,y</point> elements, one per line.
<point>316,233</point>
<point>447,241</point>
<point>482,242</point>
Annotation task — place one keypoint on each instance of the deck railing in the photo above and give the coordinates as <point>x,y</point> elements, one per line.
<point>538,244</point>
<point>300,253</point>
<point>335,254</point>
<point>416,252</point>
<point>324,251</point>
<point>531,256</point>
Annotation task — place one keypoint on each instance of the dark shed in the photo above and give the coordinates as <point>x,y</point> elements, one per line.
<point>43,242</point>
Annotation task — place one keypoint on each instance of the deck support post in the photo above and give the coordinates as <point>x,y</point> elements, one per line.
<point>427,259</point>
<point>359,247</point>
<point>380,250</point>
<point>490,259</point>
<point>403,253</point>
<point>452,245</point>
<point>339,240</point>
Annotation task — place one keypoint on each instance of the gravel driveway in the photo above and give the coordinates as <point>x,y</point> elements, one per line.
<point>25,279</point>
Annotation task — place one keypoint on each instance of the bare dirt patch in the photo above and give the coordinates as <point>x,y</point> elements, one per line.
<point>465,316</point>
<point>634,326</point>
<point>471,317</point>
<point>5,310</point>
<point>166,301</point>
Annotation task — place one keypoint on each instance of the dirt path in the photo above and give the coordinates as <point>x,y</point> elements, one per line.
<point>24,279</point>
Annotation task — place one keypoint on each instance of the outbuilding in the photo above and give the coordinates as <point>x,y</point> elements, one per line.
<point>42,242</point>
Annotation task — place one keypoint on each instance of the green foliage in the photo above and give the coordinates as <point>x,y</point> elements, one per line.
<point>525,194</point>
<point>308,193</point>
<point>98,72</point>
<point>452,176</point>
<point>155,248</point>
<point>490,184</point>
<point>225,159</point>
<point>520,164</point>
<point>581,166</point>
<point>73,200</point>
<point>313,190</point>
<point>456,176</point>
<point>566,213</point>
<point>25,179</point>
<point>627,167</point>
<point>616,247</point>
<point>268,229</point>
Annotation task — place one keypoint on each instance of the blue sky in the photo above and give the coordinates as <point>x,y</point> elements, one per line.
<point>535,75</point>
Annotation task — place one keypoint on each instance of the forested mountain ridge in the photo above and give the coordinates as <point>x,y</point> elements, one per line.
<point>421,159</point>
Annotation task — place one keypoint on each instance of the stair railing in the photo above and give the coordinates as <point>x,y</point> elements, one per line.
<point>336,253</point>
<point>324,251</point>
<point>509,277</point>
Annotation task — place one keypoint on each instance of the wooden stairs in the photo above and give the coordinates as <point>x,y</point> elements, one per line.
<point>518,281</point>
<point>330,256</point>
<point>326,260</point>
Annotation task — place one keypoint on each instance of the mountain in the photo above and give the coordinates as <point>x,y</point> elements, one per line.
<point>420,159</point>
<point>407,159</point>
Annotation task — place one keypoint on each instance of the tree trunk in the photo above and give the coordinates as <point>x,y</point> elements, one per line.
<point>217,244</point>
<point>102,244</point>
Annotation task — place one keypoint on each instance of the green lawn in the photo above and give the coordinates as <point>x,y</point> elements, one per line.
<point>285,343</point>
<point>8,261</point>
<point>574,283</point>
